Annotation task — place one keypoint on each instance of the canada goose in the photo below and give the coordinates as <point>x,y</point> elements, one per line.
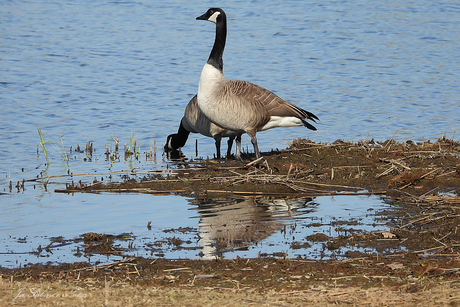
<point>196,122</point>
<point>239,105</point>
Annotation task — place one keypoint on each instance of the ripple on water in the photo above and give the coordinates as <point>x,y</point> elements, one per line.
<point>85,70</point>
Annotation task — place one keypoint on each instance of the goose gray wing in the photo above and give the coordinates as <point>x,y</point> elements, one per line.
<point>273,104</point>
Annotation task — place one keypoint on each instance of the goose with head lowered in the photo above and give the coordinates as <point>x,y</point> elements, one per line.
<point>241,106</point>
<point>194,121</point>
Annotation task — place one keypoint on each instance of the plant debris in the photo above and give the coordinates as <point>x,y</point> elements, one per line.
<point>307,168</point>
<point>416,261</point>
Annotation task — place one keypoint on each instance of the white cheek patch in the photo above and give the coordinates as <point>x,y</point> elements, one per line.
<point>169,142</point>
<point>213,17</point>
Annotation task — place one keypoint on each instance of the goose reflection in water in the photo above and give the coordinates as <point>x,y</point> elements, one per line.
<point>230,224</point>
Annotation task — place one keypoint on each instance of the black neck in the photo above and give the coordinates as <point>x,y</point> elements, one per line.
<point>215,58</point>
<point>179,139</point>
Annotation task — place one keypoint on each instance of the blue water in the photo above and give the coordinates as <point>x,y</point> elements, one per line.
<point>88,71</point>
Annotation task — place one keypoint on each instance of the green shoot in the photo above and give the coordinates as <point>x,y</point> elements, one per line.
<point>42,144</point>
<point>62,152</point>
<point>130,147</point>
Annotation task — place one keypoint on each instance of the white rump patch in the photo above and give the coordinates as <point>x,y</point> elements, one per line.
<point>281,121</point>
<point>213,17</point>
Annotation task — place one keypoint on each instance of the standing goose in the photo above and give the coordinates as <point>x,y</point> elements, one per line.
<point>196,122</point>
<point>241,106</point>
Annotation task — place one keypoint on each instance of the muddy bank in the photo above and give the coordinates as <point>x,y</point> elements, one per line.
<point>416,261</point>
<point>390,168</point>
<point>420,181</point>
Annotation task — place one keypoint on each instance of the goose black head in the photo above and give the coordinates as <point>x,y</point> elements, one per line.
<point>213,15</point>
<point>177,140</point>
<point>171,143</point>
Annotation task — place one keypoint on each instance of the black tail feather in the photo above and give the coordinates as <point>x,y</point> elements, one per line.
<point>308,125</point>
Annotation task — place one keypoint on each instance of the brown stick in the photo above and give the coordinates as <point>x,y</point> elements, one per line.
<point>387,147</point>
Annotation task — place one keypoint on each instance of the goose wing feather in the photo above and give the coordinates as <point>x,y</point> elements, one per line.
<point>274,105</point>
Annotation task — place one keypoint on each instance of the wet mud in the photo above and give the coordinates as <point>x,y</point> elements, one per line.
<point>421,182</point>
<point>307,168</point>
<point>418,254</point>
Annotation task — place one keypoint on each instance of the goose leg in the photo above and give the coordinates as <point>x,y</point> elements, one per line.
<point>256,148</point>
<point>252,134</point>
<point>230,145</point>
<point>217,139</point>
<point>238,147</point>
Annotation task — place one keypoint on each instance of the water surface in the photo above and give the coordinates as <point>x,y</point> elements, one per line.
<point>86,71</point>
<point>159,226</point>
